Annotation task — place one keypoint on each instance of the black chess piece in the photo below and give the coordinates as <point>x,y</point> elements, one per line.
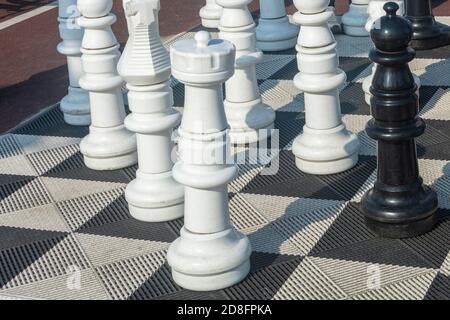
<point>427,33</point>
<point>399,205</point>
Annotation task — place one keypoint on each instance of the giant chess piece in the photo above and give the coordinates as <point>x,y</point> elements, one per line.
<point>334,24</point>
<point>75,105</point>
<point>354,20</point>
<point>249,118</point>
<point>108,146</point>
<point>209,254</point>
<point>325,147</point>
<point>427,33</point>
<point>210,14</point>
<point>376,11</point>
<point>154,195</point>
<point>274,31</point>
<point>399,205</point>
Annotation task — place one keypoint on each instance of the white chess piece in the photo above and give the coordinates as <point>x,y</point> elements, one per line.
<point>249,118</point>
<point>210,14</point>
<point>334,24</point>
<point>154,195</point>
<point>75,105</point>
<point>108,146</point>
<point>375,12</point>
<point>210,253</point>
<point>355,19</point>
<point>274,31</point>
<point>325,147</point>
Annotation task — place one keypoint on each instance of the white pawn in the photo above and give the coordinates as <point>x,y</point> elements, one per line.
<point>75,105</point>
<point>154,195</point>
<point>249,118</point>
<point>274,31</point>
<point>108,146</point>
<point>325,147</point>
<point>376,11</point>
<point>210,253</point>
<point>354,20</point>
<point>210,14</point>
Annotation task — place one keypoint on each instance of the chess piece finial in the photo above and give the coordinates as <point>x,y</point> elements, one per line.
<point>210,253</point>
<point>398,205</point>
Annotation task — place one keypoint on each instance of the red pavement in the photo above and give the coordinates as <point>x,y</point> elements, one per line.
<point>34,75</point>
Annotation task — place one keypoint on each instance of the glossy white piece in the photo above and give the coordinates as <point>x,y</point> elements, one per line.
<point>210,253</point>
<point>274,31</point>
<point>249,118</point>
<point>355,19</point>
<point>375,12</point>
<point>210,14</point>
<point>75,105</point>
<point>109,145</point>
<point>325,147</point>
<point>153,196</point>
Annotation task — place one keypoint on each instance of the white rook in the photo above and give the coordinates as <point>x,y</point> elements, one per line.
<point>355,19</point>
<point>247,115</point>
<point>325,147</point>
<point>210,253</point>
<point>210,14</point>
<point>109,145</point>
<point>75,105</point>
<point>274,31</point>
<point>145,65</point>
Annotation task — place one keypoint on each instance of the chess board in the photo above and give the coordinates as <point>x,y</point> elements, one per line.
<point>66,233</point>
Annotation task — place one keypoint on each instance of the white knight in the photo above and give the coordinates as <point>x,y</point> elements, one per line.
<point>154,195</point>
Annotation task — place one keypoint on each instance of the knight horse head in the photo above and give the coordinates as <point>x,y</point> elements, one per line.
<point>144,59</point>
<point>140,12</point>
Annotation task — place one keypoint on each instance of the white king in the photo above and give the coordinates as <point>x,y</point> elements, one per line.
<point>145,65</point>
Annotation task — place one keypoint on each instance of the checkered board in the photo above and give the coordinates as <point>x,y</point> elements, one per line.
<point>60,221</point>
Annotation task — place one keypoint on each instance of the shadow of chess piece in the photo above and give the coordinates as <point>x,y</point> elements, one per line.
<point>399,205</point>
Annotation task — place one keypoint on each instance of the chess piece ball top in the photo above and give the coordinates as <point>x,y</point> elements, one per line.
<point>392,33</point>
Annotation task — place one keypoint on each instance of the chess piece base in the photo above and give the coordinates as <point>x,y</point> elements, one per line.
<point>324,152</point>
<point>411,216</point>
<point>109,148</point>
<point>155,197</point>
<point>248,120</point>
<point>75,107</point>
<point>276,34</point>
<point>206,262</point>
<point>354,21</point>
<point>438,35</point>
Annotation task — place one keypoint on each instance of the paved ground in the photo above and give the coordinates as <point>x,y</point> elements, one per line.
<point>34,75</point>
